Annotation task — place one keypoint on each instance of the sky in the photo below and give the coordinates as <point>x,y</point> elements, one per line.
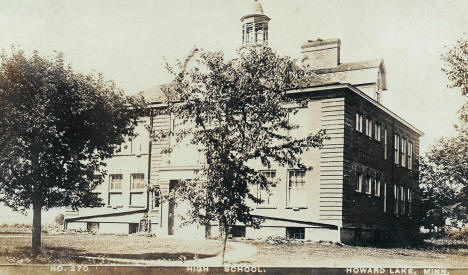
<point>130,41</point>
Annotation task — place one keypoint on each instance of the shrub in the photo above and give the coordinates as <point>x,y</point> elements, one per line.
<point>461,235</point>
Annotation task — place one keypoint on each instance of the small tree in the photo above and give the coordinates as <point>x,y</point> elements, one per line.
<point>57,127</point>
<point>236,110</point>
<point>60,219</point>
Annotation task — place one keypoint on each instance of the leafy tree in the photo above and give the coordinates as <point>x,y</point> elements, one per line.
<point>56,128</point>
<point>237,111</point>
<point>60,219</point>
<point>444,170</point>
<point>456,67</point>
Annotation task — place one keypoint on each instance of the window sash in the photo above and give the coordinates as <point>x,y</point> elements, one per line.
<point>377,131</point>
<point>367,184</point>
<point>377,187</point>
<point>410,155</point>
<point>137,181</point>
<point>296,188</point>
<point>262,193</point>
<point>397,149</point>
<point>359,122</point>
<point>359,180</point>
<point>403,152</point>
<point>369,127</point>
<point>115,181</point>
<point>385,144</point>
<point>385,197</point>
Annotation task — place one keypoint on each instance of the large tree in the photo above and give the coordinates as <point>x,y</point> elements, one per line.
<point>444,169</point>
<point>237,111</point>
<point>56,128</point>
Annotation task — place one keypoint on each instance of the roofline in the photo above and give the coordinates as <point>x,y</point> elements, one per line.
<point>327,225</point>
<point>253,15</point>
<point>107,214</point>
<point>338,85</point>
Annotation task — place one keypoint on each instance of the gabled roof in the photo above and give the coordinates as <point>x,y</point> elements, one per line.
<point>355,73</point>
<point>350,66</point>
<point>160,93</point>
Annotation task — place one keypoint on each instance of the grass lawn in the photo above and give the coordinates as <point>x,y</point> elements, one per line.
<point>310,254</point>
<point>15,248</point>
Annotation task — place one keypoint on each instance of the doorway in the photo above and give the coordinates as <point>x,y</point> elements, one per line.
<point>170,220</point>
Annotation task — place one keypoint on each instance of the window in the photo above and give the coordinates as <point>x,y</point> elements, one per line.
<point>410,195</point>
<point>396,199</point>
<point>359,181</point>
<point>115,182</point>
<point>295,233</point>
<point>377,132</point>
<point>403,152</point>
<point>402,199</point>
<point>92,227</point>
<point>385,144</point>
<point>369,127</point>
<point>237,231</point>
<point>359,122</point>
<point>115,199</point>
<point>385,197</point>
<point>264,194</point>
<point>410,155</point>
<point>115,190</point>
<point>367,184</point>
<point>397,149</point>
<point>296,195</point>
<point>137,181</point>
<point>137,199</point>
<point>133,228</point>
<point>377,187</point>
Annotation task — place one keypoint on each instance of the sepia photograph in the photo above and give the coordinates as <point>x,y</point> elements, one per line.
<point>234,137</point>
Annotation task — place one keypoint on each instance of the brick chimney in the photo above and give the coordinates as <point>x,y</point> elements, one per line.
<point>319,54</point>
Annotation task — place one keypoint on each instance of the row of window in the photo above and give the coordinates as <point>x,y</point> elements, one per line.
<point>373,186</point>
<point>137,197</point>
<point>403,152</point>
<point>137,181</point>
<point>295,193</point>
<point>403,148</point>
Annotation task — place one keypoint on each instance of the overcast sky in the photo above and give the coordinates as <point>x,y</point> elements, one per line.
<point>128,42</point>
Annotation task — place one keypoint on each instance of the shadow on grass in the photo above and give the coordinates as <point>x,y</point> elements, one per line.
<point>65,255</point>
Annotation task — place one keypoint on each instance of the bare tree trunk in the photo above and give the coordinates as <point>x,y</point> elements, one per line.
<point>226,231</point>
<point>36,230</point>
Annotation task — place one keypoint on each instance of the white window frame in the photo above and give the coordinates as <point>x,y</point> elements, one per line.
<point>410,155</point>
<point>111,183</point>
<point>368,185</point>
<point>385,144</point>
<point>403,152</point>
<point>395,199</point>
<point>359,181</point>
<point>268,201</point>
<point>132,181</point>
<point>377,187</point>
<point>359,122</point>
<point>402,199</point>
<point>369,127</point>
<point>377,131</point>
<point>385,197</point>
<point>396,149</point>
<point>290,201</point>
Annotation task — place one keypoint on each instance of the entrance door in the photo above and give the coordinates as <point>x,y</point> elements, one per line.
<point>170,221</point>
